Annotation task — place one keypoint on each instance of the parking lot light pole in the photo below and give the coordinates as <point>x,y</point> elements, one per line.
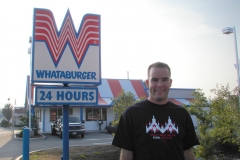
<point>229,30</point>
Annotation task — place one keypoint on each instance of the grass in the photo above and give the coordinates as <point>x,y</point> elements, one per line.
<point>83,157</point>
<point>97,152</point>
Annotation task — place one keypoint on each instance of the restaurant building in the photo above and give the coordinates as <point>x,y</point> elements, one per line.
<point>109,88</point>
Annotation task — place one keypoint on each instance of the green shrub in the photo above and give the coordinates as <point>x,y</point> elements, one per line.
<point>218,121</point>
<point>226,113</point>
<point>4,123</point>
<point>34,122</point>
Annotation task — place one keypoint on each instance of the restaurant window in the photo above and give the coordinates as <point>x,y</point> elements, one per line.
<point>56,113</point>
<point>94,114</point>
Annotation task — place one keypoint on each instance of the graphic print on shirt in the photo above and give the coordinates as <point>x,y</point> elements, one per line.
<point>164,131</point>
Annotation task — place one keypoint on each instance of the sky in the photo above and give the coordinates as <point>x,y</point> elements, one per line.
<point>185,34</point>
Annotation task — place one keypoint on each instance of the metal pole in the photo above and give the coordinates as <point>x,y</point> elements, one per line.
<point>30,88</point>
<point>25,143</point>
<point>236,51</point>
<point>65,136</point>
<point>29,104</point>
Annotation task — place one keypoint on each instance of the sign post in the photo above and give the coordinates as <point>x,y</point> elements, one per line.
<point>65,143</point>
<point>25,143</point>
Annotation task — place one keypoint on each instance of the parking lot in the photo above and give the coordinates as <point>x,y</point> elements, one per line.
<point>11,148</point>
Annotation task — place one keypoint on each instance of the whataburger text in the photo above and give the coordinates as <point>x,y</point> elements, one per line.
<point>58,74</point>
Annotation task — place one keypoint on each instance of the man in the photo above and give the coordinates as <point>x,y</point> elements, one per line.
<point>156,129</point>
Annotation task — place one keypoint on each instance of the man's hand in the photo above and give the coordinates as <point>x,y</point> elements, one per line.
<point>126,154</point>
<point>189,155</point>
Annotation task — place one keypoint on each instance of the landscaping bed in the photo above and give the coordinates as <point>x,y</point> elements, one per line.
<point>96,152</point>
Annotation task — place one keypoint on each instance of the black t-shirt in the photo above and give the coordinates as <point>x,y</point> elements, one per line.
<point>154,131</point>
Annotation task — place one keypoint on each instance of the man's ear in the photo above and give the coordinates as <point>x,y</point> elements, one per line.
<point>147,83</point>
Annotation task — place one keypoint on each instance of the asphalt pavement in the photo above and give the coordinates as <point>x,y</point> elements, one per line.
<point>11,147</point>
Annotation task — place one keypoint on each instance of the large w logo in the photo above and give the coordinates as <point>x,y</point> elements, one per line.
<point>56,41</point>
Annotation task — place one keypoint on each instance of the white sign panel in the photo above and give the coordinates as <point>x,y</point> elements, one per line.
<point>66,95</point>
<point>67,55</point>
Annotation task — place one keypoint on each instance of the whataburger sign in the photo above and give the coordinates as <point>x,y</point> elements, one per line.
<point>67,55</point>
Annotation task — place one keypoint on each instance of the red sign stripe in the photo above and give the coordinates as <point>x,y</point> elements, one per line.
<point>139,89</point>
<point>115,86</point>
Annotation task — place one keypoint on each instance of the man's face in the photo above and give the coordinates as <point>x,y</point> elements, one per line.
<point>159,83</point>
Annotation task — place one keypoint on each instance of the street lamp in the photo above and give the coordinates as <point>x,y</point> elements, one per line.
<point>29,90</point>
<point>229,30</point>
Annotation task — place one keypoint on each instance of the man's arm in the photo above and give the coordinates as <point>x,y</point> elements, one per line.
<point>189,155</point>
<point>126,154</point>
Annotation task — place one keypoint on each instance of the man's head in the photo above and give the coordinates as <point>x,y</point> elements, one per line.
<point>159,82</point>
<point>159,65</point>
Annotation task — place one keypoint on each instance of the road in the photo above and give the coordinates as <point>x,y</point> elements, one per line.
<point>11,148</point>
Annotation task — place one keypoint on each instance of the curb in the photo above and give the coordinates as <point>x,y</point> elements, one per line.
<point>86,131</point>
<point>44,137</point>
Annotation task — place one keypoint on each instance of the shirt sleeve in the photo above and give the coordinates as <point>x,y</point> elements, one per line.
<point>190,138</point>
<point>123,137</point>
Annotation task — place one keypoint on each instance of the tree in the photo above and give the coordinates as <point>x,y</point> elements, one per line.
<point>218,120</point>
<point>121,102</point>
<point>225,108</point>
<point>200,107</point>
<point>7,112</point>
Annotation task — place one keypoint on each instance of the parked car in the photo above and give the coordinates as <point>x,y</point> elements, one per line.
<point>111,128</point>
<point>76,127</point>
